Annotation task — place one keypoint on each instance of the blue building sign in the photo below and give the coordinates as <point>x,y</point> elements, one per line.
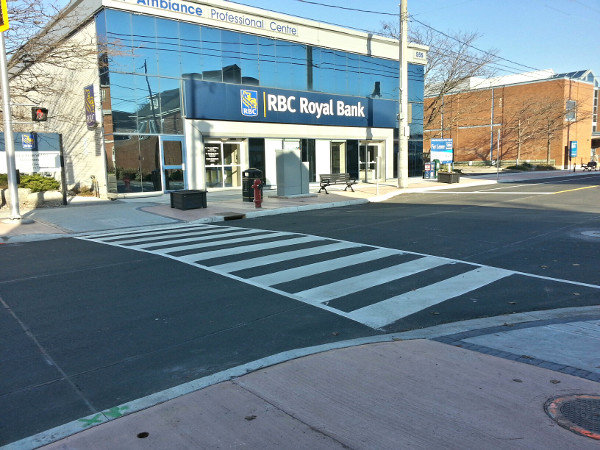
<point>573,149</point>
<point>219,101</point>
<point>443,150</point>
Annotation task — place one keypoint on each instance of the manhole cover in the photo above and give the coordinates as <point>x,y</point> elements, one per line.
<point>578,413</point>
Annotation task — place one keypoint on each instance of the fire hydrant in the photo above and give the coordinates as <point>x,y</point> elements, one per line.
<point>257,193</point>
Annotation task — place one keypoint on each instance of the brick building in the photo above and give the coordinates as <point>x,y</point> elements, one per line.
<point>526,117</point>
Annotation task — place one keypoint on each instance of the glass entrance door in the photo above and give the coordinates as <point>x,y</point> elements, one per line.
<point>222,162</point>
<point>173,163</point>
<point>368,162</point>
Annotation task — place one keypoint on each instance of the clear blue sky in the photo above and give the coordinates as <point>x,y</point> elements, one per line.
<point>543,34</point>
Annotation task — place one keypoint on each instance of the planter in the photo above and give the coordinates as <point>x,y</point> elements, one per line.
<point>188,199</point>
<point>448,177</point>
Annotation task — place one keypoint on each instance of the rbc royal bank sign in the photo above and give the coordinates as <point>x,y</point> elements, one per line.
<point>219,101</point>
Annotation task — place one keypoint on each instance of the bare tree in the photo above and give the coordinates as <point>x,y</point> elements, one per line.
<point>522,125</point>
<point>451,61</point>
<point>532,121</point>
<point>553,114</point>
<point>38,54</point>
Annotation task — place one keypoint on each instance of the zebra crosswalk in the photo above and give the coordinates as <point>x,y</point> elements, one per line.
<point>375,286</point>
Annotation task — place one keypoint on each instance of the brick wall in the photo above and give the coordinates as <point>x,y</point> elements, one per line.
<point>517,110</point>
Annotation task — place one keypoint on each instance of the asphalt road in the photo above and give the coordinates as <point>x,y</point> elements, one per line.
<point>87,326</point>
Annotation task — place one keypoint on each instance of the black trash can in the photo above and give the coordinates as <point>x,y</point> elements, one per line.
<point>248,177</point>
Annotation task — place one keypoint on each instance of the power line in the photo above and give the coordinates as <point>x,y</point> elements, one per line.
<point>348,8</point>
<point>426,26</point>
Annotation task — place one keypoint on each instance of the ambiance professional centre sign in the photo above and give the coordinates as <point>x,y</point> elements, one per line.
<point>219,15</point>
<point>220,101</point>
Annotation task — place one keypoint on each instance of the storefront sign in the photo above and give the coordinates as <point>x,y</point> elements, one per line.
<point>257,104</point>
<point>39,152</point>
<point>212,156</point>
<point>219,15</point>
<point>90,106</point>
<point>442,150</point>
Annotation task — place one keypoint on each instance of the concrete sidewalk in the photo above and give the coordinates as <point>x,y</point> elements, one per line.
<point>408,390</point>
<point>476,384</point>
<point>88,214</point>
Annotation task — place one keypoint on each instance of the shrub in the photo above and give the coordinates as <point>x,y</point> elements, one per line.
<point>528,167</point>
<point>3,181</point>
<point>544,167</point>
<point>39,183</point>
<point>523,166</point>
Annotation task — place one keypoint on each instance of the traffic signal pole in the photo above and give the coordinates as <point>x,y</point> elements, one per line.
<point>11,167</point>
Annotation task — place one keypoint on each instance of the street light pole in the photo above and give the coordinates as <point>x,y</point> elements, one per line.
<point>403,100</point>
<point>9,145</point>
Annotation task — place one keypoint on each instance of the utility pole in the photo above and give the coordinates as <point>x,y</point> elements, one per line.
<point>403,130</point>
<point>9,145</point>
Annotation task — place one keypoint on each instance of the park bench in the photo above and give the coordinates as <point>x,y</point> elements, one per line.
<point>592,165</point>
<point>328,179</point>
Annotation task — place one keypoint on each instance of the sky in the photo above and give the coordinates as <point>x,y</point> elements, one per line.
<point>531,34</point>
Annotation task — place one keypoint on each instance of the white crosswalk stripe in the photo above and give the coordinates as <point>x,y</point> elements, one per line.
<point>348,286</point>
<point>320,267</point>
<point>296,259</point>
<point>278,277</point>
<point>383,313</point>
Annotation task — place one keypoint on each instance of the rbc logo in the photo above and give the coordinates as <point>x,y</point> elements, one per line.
<point>249,103</point>
<point>28,141</point>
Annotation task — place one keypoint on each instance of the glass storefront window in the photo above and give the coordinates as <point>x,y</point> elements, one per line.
<point>291,65</point>
<point>212,64</point>
<point>170,106</point>
<point>118,35</point>
<point>416,78</point>
<point>148,99</point>
<point>144,45</point>
<point>230,48</point>
<point>167,48</point>
<point>136,159</point>
<point>124,103</point>
<point>149,162</point>
<point>389,78</point>
<point>190,47</point>
<point>249,59</point>
<point>172,48</point>
<point>267,62</point>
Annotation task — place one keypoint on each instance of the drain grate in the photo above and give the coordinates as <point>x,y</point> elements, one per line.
<point>578,413</point>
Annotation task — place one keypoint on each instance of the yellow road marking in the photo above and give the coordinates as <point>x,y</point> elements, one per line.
<point>576,189</point>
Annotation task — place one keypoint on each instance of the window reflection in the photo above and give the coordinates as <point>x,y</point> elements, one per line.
<point>135,162</point>
<point>267,62</point>
<point>147,57</point>
<point>118,35</point>
<point>167,48</point>
<point>211,55</point>
<point>144,45</point>
<point>249,59</point>
<point>190,48</point>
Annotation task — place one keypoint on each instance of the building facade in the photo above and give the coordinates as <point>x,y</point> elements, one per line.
<point>189,94</point>
<point>534,117</point>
